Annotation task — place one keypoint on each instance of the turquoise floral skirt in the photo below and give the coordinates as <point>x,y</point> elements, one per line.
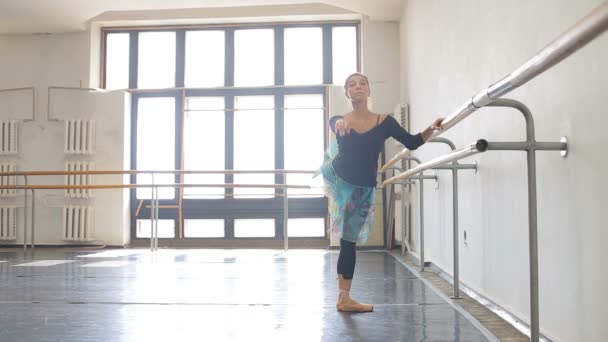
<point>351,207</point>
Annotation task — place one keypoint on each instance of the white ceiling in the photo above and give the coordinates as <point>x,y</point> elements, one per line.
<point>42,16</point>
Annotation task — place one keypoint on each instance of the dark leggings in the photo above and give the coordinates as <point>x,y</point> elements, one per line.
<point>347,258</point>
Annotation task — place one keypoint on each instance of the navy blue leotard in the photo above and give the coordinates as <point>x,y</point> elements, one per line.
<point>357,158</point>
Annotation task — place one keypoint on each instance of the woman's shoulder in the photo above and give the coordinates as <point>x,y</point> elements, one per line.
<point>385,118</point>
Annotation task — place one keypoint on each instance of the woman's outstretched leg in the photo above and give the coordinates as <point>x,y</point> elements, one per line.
<point>346,270</point>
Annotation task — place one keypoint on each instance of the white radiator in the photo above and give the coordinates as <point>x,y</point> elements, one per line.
<point>401,112</point>
<point>77,223</point>
<point>8,180</point>
<point>8,223</point>
<point>79,179</point>
<point>79,136</point>
<point>9,137</point>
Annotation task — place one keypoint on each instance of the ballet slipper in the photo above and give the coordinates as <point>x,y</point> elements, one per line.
<point>347,304</point>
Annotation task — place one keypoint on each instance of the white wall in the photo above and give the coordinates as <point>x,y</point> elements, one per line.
<point>450,50</point>
<point>62,60</point>
<point>379,62</point>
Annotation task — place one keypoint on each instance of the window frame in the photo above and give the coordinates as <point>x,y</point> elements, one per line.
<point>228,208</point>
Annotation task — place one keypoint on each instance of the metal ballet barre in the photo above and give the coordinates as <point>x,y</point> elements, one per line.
<point>454,167</point>
<point>584,31</point>
<point>476,147</point>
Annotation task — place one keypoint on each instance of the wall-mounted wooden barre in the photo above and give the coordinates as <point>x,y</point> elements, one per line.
<point>131,186</point>
<point>134,172</point>
<point>251,109</point>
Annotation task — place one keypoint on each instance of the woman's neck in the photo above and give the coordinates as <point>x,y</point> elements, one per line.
<point>360,108</point>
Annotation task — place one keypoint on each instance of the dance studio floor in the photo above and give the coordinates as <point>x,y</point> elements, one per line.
<point>216,295</point>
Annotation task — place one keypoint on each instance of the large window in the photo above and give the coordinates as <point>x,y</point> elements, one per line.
<point>205,59</point>
<point>156,60</point>
<point>254,143</point>
<point>204,147</point>
<point>244,98</point>
<point>254,57</point>
<point>117,61</point>
<point>304,129</point>
<point>156,144</point>
<point>344,47</point>
<point>304,56</point>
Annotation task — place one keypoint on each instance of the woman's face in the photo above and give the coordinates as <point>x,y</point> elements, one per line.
<point>357,88</point>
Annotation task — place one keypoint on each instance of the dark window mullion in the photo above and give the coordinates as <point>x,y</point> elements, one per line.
<point>279,56</point>
<point>229,134</point>
<point>180,57</point>
<point>133,58</point>
<point>180,66</point>
<point>179,141</point>
<point>279,152</point>
<point>279,143</point>
<point>229,228</point>
<point>104,48</point>
<point>229,161</point>
<point>133,177</point>
<point>279,79</point>
<point>229,56</point>
<point>229,143</point>
<point>358,30</point>
<point>179,107</point>
<point>327,55</point>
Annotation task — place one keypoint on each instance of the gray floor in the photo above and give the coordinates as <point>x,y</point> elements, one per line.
<point>215,295</point>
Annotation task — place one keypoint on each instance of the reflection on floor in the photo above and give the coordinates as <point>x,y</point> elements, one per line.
<point>215,295</point>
